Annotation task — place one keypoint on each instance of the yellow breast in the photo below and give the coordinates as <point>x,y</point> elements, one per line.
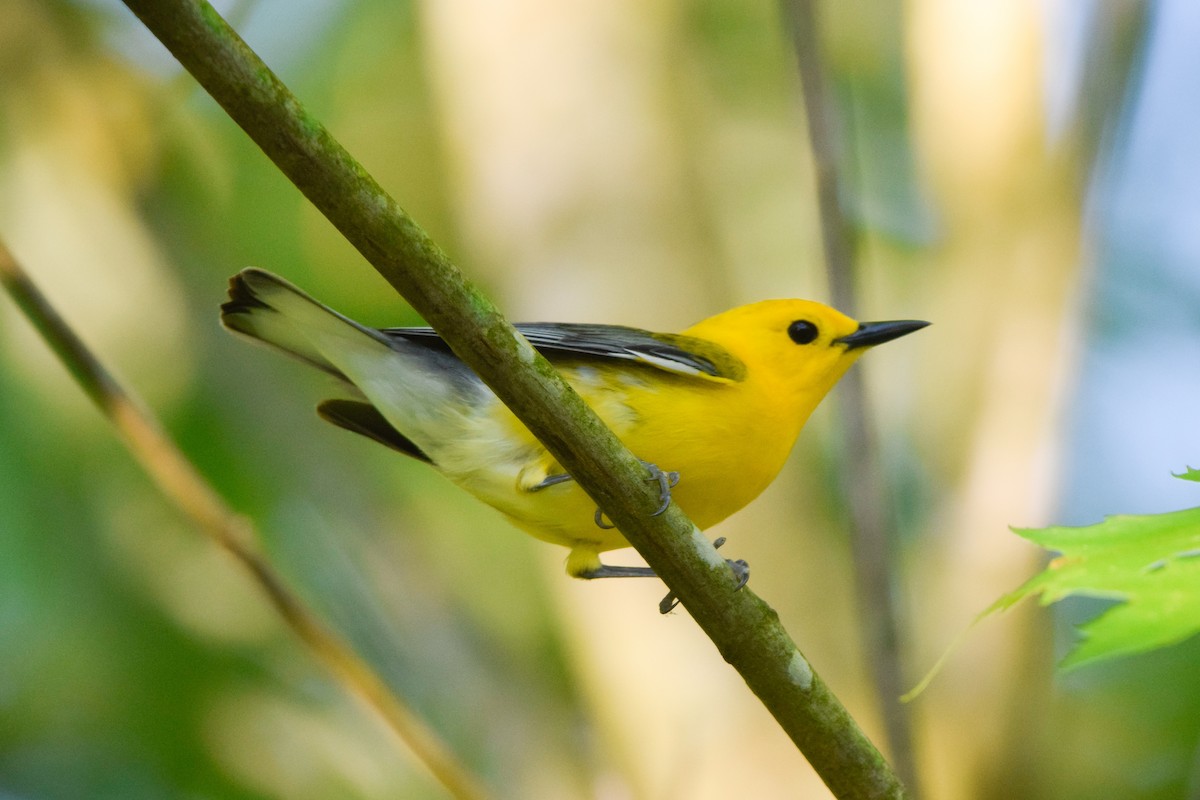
<point>712,434</point>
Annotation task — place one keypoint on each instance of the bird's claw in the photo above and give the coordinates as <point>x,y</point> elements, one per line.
<point>741,569</point>
<point>600,523</point>
<point>666,482</point>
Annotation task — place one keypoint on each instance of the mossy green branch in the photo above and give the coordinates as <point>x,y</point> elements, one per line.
<point>746,631</point>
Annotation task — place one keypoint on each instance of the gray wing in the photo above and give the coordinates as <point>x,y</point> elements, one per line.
<point>680,354</point>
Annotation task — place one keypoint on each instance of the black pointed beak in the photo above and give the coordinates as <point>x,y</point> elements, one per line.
<point>870,334</point>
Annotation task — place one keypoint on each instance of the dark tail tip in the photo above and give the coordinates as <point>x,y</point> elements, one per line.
<point>242,299</point>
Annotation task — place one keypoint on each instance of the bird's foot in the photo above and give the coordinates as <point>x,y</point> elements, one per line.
<point>666,482</point>
<point>741,571</point>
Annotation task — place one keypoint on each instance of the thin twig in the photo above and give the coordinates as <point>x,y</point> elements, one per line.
<point>178,479</point>
<point>745,630</point>
<point>865,488</point>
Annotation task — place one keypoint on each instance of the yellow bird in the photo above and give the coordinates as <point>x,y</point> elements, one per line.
<point>719,405</point>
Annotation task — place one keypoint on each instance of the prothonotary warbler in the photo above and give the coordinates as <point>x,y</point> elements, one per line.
<point>719,406</point>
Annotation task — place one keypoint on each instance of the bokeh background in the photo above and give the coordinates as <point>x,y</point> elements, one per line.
<point>1026,176</point>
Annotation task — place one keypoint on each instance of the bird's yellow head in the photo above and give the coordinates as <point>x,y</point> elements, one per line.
<point>798,348</point>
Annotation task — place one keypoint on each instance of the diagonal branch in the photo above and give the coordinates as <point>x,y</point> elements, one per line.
<point>183,486</point>
<point>745,630</point>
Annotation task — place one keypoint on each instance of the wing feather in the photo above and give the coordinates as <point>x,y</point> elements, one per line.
<point>683,355</point>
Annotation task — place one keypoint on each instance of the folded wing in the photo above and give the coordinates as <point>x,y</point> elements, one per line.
<point>683,355</point>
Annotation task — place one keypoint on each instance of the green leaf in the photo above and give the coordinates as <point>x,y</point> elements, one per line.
<point>1149,564</point>
<point>1192,474</point>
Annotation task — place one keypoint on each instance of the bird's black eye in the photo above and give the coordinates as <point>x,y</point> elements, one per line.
<point>802,331</point>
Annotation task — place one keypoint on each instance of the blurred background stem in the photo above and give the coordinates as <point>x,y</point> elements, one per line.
<point>864,483</point>
<point>190,492</point>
